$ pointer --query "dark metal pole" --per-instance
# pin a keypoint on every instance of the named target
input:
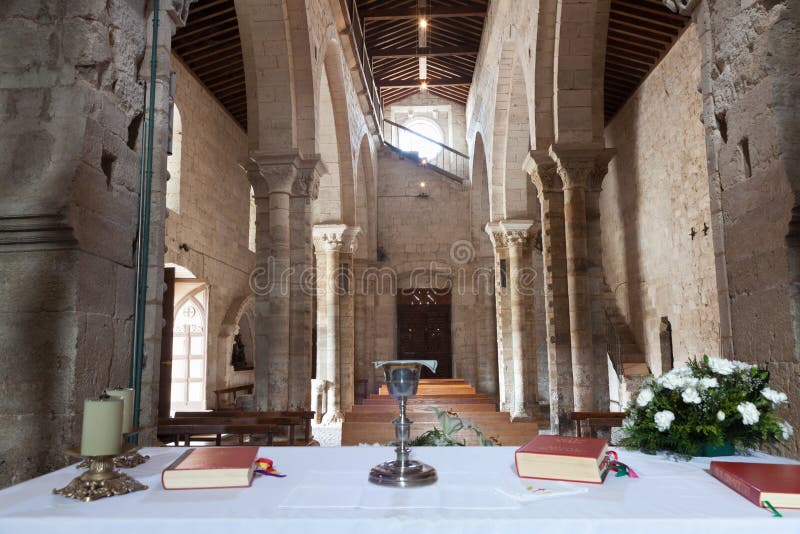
(145, 195)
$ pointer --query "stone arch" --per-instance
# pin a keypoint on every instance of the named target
(512, 136)
(266, 51)
(336, 202)
(365, 202)
(579, 62)
(480, 198)
(241, 309)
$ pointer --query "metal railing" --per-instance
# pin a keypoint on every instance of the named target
(357, 34)
(447, 161)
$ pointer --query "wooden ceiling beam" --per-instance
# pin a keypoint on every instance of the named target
(652, 12)
(444, 51)
(185, 32)
(444, 82)
(431, 13)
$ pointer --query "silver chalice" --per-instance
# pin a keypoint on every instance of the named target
(402, 379)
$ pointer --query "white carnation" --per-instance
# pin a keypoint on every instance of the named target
(720, 365)
(707, 383)
(644, 398)
(671, 381)
(750, 413)
(690, 396)
(786, 429)
(664, 420)
(774, 396)
(720, 415)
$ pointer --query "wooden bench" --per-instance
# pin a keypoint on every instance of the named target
(288, 418)
(595, 420)
(233, 390)
(187, 430)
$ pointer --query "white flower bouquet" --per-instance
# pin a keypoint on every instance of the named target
(705, 403)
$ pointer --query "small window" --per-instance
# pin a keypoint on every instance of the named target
(174, 163)
(414, 143)
(251, 236)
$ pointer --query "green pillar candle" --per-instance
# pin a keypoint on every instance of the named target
(102, 427)
(126, 394)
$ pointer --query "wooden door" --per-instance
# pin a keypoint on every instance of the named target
(423, 329)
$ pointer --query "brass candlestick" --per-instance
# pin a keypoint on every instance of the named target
(402, 379)
(101, 479)
(129, 459)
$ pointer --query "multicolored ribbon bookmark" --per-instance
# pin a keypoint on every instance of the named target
(618, 467)
(264, 467)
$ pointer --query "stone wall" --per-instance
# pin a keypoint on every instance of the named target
(71, 109)
(655, 193)
(750, 100)
(434, 234)
(214, 217)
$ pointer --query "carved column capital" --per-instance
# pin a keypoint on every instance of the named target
(178, 10)
(335, 238)
(582, 166)
(310, 171)
(684, 7)
(542, 170)
(509, 233)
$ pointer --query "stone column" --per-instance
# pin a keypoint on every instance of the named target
(332, 244)
(576, 167)
(512, 235)
(279, 180)
(559, 357)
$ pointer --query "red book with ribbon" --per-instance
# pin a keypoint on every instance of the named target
(564, 458)
(778, 484)
(211, 467)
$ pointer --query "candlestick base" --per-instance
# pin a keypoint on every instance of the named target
(101, 480)
(127, 460)
(410, 474)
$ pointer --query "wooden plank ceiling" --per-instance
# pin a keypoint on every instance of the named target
(209, 45)
(640, 33)
(453, 35)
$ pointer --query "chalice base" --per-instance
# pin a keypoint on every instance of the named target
(413, 474)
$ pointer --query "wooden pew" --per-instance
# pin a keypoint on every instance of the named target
(233, 390)
(185, 429)
(288, 418)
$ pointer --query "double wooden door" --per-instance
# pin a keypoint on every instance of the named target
(423, 329)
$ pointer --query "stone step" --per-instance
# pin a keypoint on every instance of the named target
(425, 416)
(508, 433)
(452, 406)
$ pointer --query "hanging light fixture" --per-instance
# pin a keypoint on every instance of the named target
(422, 42)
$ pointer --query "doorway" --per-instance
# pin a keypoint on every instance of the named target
(423, 329)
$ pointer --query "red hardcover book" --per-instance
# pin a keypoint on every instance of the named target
(563, 458)
(777, 483)
(211, 467)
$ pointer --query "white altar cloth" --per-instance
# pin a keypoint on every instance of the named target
(326, 491)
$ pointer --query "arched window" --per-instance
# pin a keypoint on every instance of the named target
(413, 143)
(174, 163)
(251, 237)
(189, 341)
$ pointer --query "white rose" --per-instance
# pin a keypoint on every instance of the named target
(720, 365)
(671, 381)
(707, 383)
(720, 415)
(776, 397)
(644, 398)
(750, 413)
(690, 396)
(664, 420)
(786, 429)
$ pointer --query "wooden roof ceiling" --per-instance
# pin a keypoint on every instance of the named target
(209, 45)
(640, 33)
(454, 36)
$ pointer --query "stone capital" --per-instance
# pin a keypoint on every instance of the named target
(542, 169)
(509, 233)
(581, 166)
(178, 10)
(684, 7)
(288, 173)
(335, 238)
(311, 169)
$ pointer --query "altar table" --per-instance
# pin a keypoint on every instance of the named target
(326, 490)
